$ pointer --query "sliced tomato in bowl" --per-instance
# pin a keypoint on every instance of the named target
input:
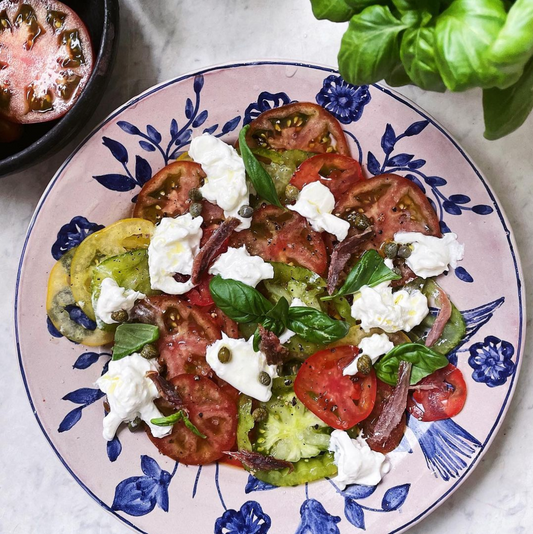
(46, 59)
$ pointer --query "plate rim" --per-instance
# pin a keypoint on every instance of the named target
(386, 90)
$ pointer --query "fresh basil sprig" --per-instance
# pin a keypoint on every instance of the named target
(370, 271)
(261, 180)
(425, 361)
(175, 418)
(130, 337)
(245, 304)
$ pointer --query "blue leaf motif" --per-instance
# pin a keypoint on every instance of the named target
(145, 145)
(265, 101)
(78, 316)
(435, 181)
(114, 448)
(388, 139)
(463, 274)
(444, 227)
(153, 134)
(176, 153)
(189, 109)
(52, 330)
(416, 164)
(250, 519)
(482, 209)
(70, 419)
(174, 128)
(459, 199)
(116, 182)
(200, 119)
(117, 149)
(198, 83)
(143, 170)
(415, 128)
(358, 491)
(415, 180)
(451, 208)
(184, 137)
(86, 360)
(128, 128)
(254, 484)
(70, 235)
(84, 396)
(315, 519)
(354, 514)
(211, 129)
(161, 498)
(395, 497)
(400, 160)
(136, 496)
(150, 467)
(231, 125)
(373, 164)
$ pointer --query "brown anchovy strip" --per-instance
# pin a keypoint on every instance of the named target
(393, 410)
(341, 255)
(271, 347)
(212, 248)
(258, 462)
(441, 320)
(165, 389)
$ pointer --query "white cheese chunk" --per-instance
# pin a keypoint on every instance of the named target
(379, 307)
(114, 298)
(172, 249)
(373, 346)
(356, 462)
(225, 183)
(431, 256)
(130, 394)
(243, 369)
(238, 264)
(316, 202)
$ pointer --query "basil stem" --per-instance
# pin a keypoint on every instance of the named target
(175, 418)
(131, 337)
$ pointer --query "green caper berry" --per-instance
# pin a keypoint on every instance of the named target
(291, 192)
(245, 211)
(119, 316)
(364, 364)
(135, 425)
(404, 251)
(390, 249)
(260, 414)
(149, 351)
(264, 378)
(361, 222)
(195, 195)
(224, 355)
(195, 209)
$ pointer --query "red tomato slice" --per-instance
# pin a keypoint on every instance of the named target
(200, 295)
(384, 391)
(393, 204)
(445, 399)
(301, 125)
(340, 401)
(9, 131)
(46, 59)
(212, 411)
(285, 236)
(338, 173)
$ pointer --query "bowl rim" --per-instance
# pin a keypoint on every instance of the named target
(60, 134)
(521, 296)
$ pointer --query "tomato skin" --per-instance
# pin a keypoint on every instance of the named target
(323, 389)
(298, 126)
(212, 411)
(285, 236)
(200, 295)
(337, 172)
(446, 400)
(9, 131)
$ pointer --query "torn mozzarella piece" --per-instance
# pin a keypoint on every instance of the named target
(373, 346)
(114, 298)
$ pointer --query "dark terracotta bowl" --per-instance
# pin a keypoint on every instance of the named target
(41, 140)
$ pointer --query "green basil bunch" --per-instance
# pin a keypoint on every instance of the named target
(442, 44)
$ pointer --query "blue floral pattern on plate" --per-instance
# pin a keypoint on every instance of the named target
(492, 361)
(70, 235)
(249, 519)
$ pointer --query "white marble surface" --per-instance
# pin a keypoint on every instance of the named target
(164, 38)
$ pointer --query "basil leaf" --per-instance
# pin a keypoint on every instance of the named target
(334, 10)
(191, 427)
(174, 418)
(238, 301)
(315, 326)
(370, 48)
(261, 180)
(130, 337)
(370, 271)
(279, 313)
(425, 361)
(505, 110)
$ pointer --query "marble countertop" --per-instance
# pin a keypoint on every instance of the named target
(161, 40)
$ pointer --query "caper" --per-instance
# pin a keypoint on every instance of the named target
(195, 194)
(149, 351)
(119, 316)
(245, 211)
(260, 414)
(291, 192)
(195, 209)
(264, 378)
(364, 364)
(390, 249)
(404, 251)
(135, 425)
(224, 355)
(358, 220)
